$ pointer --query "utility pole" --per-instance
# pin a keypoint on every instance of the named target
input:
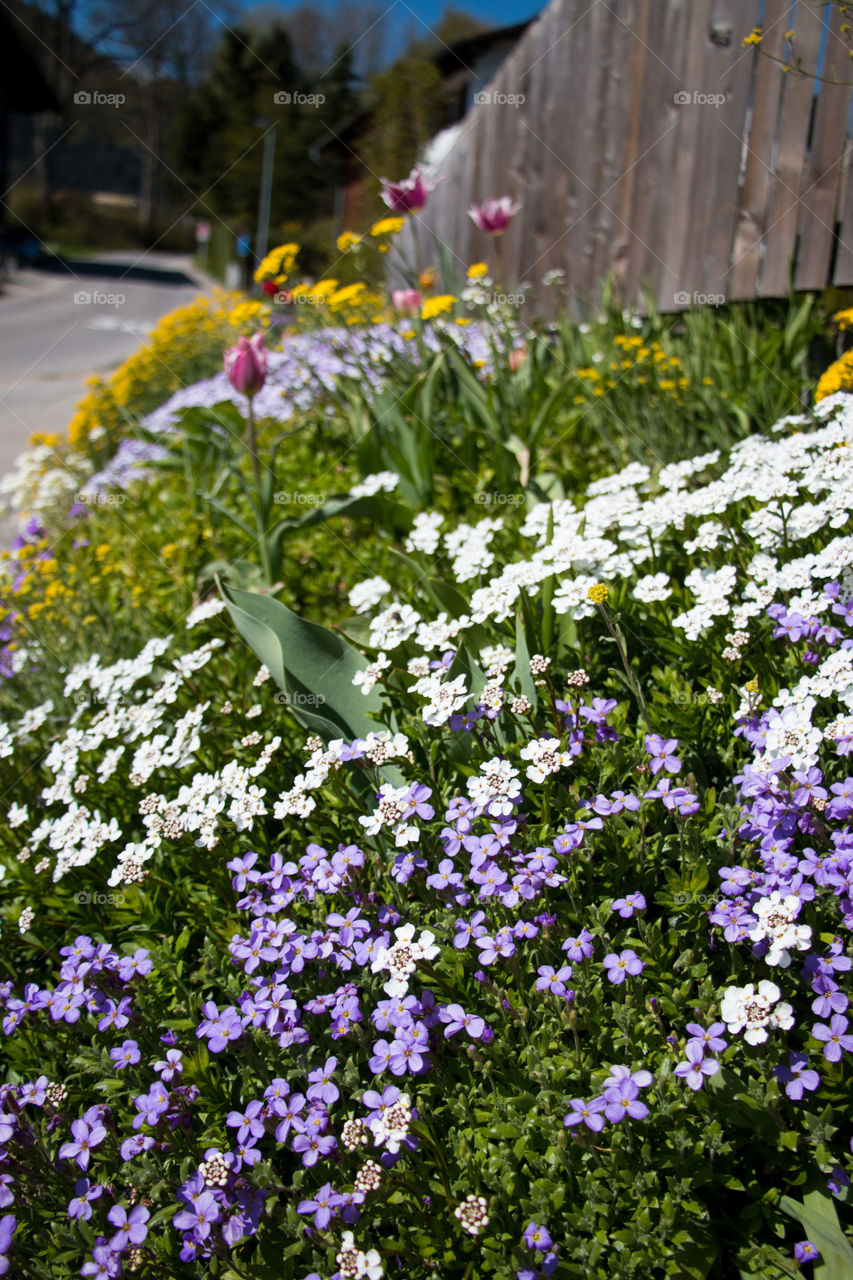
(263, 232)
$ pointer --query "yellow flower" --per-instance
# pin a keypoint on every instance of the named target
(346, 241)
(844, 319)
(408, 333)
(751, 686)
(754, 37)
(478, 270)
(387, 226)
(278, 263)
(427, 278)
(463, 320)
(598, 593)
(348, 294)
(838, 377)
(435, 306)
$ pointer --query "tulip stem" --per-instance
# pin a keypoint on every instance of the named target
(256, 469)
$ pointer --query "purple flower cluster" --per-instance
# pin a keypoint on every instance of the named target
(695, 1068)
(619, 1097)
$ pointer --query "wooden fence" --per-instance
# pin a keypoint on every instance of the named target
(647, 143)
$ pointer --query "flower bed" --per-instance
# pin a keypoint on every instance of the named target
(500, 929)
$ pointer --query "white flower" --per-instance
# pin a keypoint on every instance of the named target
(378, 482)
(208, 609)
(370, 676)
(425, 532)
(747, 1007)
(365, 595)
(654, 586)
(545, 757)
(776, 916)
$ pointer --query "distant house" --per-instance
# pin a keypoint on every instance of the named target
(466, 67)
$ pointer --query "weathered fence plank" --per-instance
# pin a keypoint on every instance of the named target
(644, 141)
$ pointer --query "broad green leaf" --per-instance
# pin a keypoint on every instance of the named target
(818, 1216)
(306, 659)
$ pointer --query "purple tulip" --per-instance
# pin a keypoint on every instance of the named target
(407, 301)
(246, 365)
(407, 196)
(492, 216)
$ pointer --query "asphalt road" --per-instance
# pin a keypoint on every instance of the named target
(59, 328)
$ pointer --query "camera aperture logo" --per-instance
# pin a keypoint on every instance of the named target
(299, 698)
(99, 899)
(83, 98)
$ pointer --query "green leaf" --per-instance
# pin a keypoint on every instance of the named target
(818, 1216)
(308, 662)
(522, 672)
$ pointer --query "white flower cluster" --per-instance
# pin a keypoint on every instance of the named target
(753, 1009)
(368, 593)
(393, 811)
(378, 482)
(495, 787)
(402, 957)
(776, 916)
(545, 758)
(354, 1263)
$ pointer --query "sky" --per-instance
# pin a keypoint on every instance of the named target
(408, 18)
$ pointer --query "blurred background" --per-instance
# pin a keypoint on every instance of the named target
(158, 124)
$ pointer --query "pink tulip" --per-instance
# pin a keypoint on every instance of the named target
(493, 216)
(407, 301)
(407, 196)
(246, 365)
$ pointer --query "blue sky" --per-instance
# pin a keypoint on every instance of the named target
(408, 18)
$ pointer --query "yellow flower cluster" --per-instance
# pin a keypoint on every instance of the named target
(387, 226)
(844, 319)
(755, 36)
(642, 364)
(477, 270)
(347, 240)
(278, 263)
(437, 305)
(598, 593)
(838, 377)
(186, 345)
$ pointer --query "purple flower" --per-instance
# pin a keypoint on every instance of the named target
(85, 1137)
(662, 752)
(629, 904)
(553, 980)
(85, 1192)
(131, 1226)
(696, 1067)
(139, 963)
(198, 1216)
(456, 1019)
(536, 1237)
(8, 1226)
(835, 1037)
(618, 967)
(248, 1123)
(169, 1067)
(710, 1039)
(796, 1077)
(805, 1251)
(623, 1100)
(125, 1055)
(312, 1146)
(588, 1113)
(322, 1206)
(579, 948)
(320, 1084)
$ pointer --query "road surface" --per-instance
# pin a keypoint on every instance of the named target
(59, 328)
